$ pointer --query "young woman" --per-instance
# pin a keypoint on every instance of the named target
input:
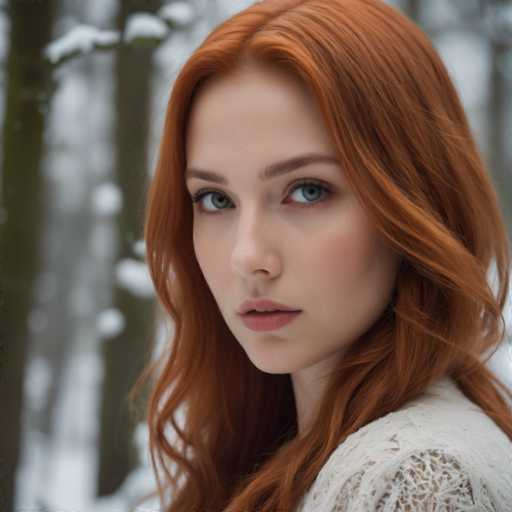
(320, 229)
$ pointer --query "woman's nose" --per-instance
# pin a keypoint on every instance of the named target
(254, 248)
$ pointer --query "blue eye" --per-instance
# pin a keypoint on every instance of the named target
(310, 187)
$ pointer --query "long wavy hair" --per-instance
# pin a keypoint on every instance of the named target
(223, 434)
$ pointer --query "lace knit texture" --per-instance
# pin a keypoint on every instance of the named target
(439, 453)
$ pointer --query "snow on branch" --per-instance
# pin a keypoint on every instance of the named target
(142, 28)
(80, 40)
(133, 275)
(177, 14)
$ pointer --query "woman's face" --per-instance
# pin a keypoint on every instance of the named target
(309, 247)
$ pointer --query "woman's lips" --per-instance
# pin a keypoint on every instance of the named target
(259, 321)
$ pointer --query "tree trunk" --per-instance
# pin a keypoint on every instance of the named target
(412, 9)
(126, 354)
(497, 130)
(28, 92)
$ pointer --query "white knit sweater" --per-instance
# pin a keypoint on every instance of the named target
(440, 452)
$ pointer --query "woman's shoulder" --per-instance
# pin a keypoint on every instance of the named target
(440, 448)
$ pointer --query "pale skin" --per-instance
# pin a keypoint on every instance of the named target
(308, 248)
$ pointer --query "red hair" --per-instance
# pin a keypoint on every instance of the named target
(404, 141)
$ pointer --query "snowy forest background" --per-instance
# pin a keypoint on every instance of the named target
(84, 86)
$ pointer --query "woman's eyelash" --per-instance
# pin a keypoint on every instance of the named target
(309, 182)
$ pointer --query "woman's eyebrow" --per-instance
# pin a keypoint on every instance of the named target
(271, 171)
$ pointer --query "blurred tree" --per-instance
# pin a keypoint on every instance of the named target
(65, 246)
(126, 353)
(412, 9)
(28, 92)
(492, 19)
(499, 31)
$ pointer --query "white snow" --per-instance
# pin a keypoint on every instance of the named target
(59, 472)
(71, 465)
(142, 25)
(28, 481)
(139, 248)
(107, 199)
(110, 323)
(178, 13)
(72, 471)
(81, 39)
(134, 276)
